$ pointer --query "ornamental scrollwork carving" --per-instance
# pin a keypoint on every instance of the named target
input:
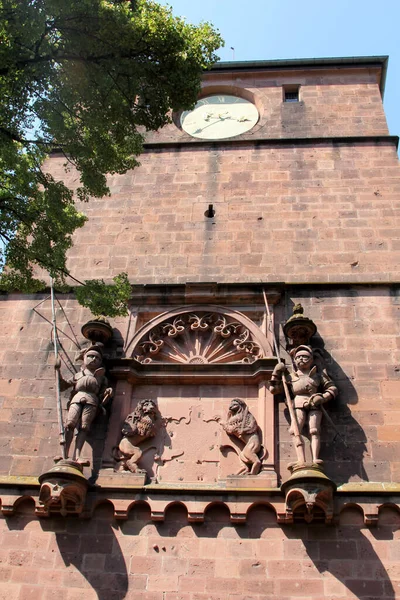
(199, 338)
(175, 328)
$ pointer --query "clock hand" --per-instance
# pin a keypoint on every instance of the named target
(208, 116)
(220, 116)
(209, 124)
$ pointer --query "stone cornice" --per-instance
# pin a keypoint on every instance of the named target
(368, 498)
(288, 141)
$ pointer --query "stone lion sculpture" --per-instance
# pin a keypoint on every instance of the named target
(138, 427)
(241, 424)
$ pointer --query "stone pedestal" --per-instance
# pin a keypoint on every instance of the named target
(98, 330)
(264, 480)
(309, 494)
(110, 478)
(63, 489)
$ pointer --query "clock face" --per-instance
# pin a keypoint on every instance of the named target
(218, 117)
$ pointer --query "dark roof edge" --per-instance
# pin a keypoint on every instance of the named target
(297, 63)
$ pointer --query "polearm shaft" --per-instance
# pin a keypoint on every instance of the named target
(57, 372)
(332, 424)
(289, 401)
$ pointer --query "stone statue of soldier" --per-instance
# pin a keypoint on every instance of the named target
(310, 387)
(89, 392)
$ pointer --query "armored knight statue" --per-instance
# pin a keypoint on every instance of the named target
(241, 424)
(310, 387)
(89, 392)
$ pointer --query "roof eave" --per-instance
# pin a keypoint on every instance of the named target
(313, 63)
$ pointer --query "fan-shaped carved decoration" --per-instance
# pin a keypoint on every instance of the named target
(199, 338)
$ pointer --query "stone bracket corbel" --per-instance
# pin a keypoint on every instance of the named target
(309, 494)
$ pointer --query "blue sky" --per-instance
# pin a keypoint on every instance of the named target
(272, 29)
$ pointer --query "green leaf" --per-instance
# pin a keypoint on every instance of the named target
(103, 299)
(86, 78)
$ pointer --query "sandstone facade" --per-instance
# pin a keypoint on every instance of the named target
(306, 210)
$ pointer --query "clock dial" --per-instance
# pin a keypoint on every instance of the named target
(219, 117)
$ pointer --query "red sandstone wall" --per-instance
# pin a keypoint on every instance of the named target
(295, 213)
(332, 103)
(138, 560)
(327, 213)
(360, 334)
(324, 212)
(360, 330)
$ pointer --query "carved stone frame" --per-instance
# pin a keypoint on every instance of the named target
(130, 372)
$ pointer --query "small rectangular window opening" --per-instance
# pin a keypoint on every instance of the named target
(291, 94)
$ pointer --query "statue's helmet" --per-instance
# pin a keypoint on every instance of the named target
(301, 348)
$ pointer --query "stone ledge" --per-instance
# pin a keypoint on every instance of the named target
(369, 487)
(16, 480)
(367, 498)
(233, 373)
(279, 141)
(361, 487)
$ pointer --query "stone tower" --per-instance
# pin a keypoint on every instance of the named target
(279, 189)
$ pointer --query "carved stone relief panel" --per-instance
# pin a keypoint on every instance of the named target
(191, 362)
(193, 447)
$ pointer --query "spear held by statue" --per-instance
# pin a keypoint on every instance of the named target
(298, 440)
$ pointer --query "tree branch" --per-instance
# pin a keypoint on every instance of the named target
(16, 138)
(57, 57)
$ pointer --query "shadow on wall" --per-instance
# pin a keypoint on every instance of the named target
(76, 553)
(301, 558)
(349, 555)
(93, 549)
(342, 462)
(258, 558)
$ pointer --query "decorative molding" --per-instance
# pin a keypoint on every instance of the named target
(309, 503)
(135, 373)
(247, 294)
(199, 339)
(200, 335)
(246, 140)
(239, 503)
(309, 495)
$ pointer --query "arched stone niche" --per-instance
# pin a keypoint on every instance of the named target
(200, 335)
(192, 361)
